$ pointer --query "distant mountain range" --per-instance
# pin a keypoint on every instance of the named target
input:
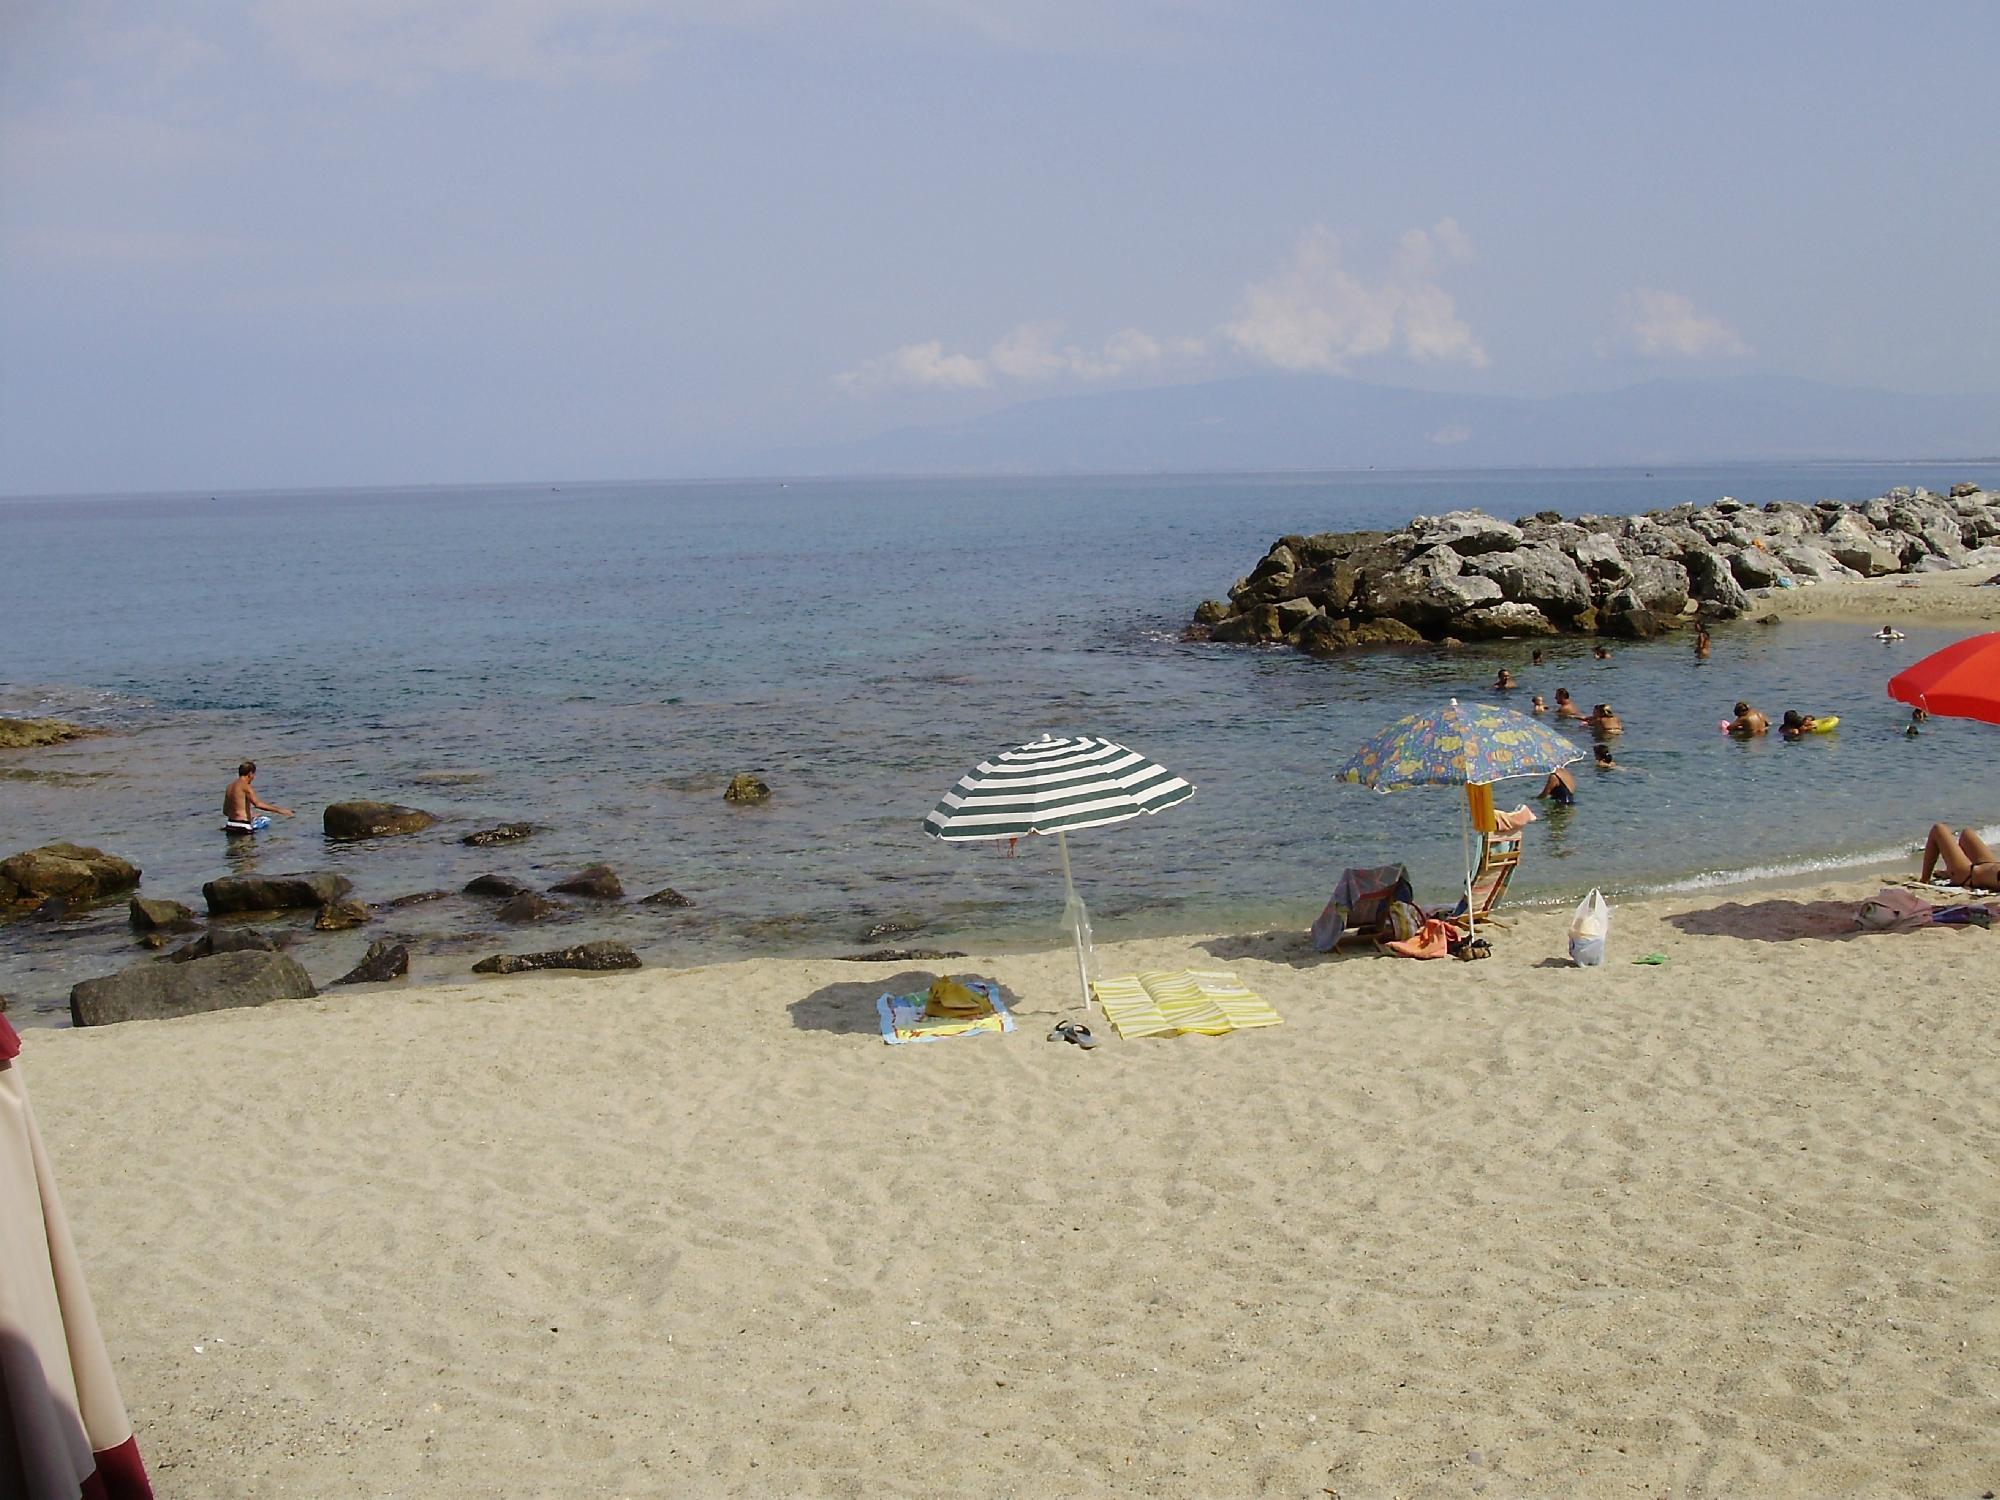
(1267, 422)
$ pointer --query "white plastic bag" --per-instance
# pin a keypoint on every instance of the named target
(1589, 927)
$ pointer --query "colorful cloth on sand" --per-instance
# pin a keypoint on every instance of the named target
(1173, 1003)
(903, 1018)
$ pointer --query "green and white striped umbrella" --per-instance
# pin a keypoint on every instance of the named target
(1056, 786)
(1053, 786)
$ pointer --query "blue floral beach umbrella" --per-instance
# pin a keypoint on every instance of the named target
(1458, 745)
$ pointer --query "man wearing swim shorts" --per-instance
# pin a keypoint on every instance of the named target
(241, 797)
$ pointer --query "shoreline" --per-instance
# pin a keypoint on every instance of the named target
(1718, 1223)
(1957, 596)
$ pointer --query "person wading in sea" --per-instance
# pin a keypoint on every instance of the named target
(241, 798)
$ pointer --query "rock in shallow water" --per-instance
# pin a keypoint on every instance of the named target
(34, 734)
(75, 872)
(594, 957)
(384, 961)
(744, 787)
(314, 888)
(600, 882)
(339, 916)
(495, 885)
(367, 820)
(224, 940)
(151, 992)
(161, 916)
(505, 833)
(666, 896)
(527, 906)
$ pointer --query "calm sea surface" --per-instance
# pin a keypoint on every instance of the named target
(601, 658)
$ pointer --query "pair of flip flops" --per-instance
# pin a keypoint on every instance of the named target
(1073, 1031)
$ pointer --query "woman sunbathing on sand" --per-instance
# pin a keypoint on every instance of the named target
(1966, 859)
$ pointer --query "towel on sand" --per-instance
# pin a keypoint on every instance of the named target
(903, 1018)
(1162, 1003)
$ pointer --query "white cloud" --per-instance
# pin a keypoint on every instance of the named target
(1317, 314)
(1031, 354)
(1664, 324)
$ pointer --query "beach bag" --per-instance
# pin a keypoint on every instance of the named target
(1589, 927)
(1892, 910)
(1405, 918)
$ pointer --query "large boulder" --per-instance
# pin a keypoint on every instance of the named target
(1857, 545)
(1429, 590)
(592, 957)
(156, 992)
(75, 872)
(1711, 581)
(1270, 581)
(599, 882)
(383, 961)
(161, 916)
(1625, 614)
(1293, 613)
(1598, 555)
(1815, 563)
(34, 734)
(1541, 574)
(368, 820)
(1258, 623)
(1660, 583)
(1754, 568)
(1496, 621)
(1469, 532)
(1211, 612)
(1331, 585)
(313, 889)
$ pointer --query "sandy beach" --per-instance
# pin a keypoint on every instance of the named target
(1954, 596)
(1721, 1226)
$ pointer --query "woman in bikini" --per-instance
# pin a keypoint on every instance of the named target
(1966, 859)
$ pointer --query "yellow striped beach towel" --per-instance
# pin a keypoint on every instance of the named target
(1163, 1003)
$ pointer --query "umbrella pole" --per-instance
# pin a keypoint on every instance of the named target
(1465, 841)
(1079, 918)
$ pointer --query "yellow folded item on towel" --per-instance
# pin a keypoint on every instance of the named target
(1162, 1003)
(951, 997)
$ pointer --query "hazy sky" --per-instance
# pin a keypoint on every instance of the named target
(302, 242)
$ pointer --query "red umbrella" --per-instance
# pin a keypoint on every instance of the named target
(1960, 682)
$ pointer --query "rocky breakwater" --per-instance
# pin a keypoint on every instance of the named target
(1469, 576)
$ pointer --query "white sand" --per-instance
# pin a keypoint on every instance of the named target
(1730, 1226)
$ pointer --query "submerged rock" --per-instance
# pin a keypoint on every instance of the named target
(383, 961)
(495, 885)
(505, 833)
(593, 957)
(900, 956)
(224, 940)
(77, 873)
(527, 906)
(599, 882)
(665, 896)
(745, 788)
(152, 992)
(314, 888)
(367, 820)
(417, 898)
(34, 734)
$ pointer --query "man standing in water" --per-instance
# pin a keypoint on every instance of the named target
(241, 797)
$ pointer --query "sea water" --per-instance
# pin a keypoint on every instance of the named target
(600, 659)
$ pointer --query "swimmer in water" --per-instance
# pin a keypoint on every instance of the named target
(1603, 760)
(1536, 705)
(1560, 788)
(1565, 709)
(1603, 721)
(1702, 645)
(1888, 633)
(1504, 683)
(1748, 722)
(1795, 724)
(1602, 653)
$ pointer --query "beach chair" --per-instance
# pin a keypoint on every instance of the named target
(1358, 910)
(1499, 858)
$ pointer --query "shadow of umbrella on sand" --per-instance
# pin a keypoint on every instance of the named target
(1055, 786)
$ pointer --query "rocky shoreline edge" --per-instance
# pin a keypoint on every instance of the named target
(1469, 576)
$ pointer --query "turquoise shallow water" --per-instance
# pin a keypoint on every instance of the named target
(601, 658)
